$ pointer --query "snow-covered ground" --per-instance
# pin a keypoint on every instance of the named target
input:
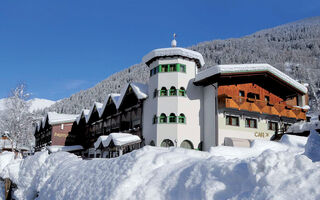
(35, 104)
(289, 169)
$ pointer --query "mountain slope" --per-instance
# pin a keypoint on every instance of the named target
(293, 48)
(36, 104)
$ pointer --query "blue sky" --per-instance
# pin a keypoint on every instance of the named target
(63, 46)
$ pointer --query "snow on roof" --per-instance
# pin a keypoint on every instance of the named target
(114, 97)
(57, 148)
(175, 51)
(57, 118)
(96, 105)
(119, 139)
(84, 113)
(140, 89)
(6, 144)
(240, 68)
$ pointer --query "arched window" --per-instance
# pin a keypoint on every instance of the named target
(163, 91)
(167, 143)
(172, 118)
(186, 144)
(155, 119)
(163, 118)
(182, 118)
(173, 91)
(152, 143)
(182, 92)
(200, 146)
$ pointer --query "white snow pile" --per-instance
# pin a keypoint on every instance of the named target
(267, 170)
(302, 126)
(313, 146)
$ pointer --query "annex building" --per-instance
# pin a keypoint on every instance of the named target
(184, 106)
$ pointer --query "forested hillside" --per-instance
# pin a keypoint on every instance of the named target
(293, 48)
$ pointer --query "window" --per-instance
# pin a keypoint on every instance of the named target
(172, 118)
(62, 126)
(272, 126)
(155, 119)
(173, 67)
(251, 123)
(163, 118)
(155, 93)
(164, 68)
(232, 121)
(173, 91)
(182, 68)
(267, 99)
(241, 93)
(152, 143)
(182, 118)
(187, 144)
(167, 143)
(163, 91)
(151, 72)
(182, 92)
(253, 95)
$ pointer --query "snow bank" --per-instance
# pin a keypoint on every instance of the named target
(5, 158)
(313, 146)
(294, 141)
(267, 170)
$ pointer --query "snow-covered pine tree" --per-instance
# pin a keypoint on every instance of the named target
(16, 119)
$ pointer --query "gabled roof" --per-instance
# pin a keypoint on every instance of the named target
(96, 105)
(118, 139)
(140, 90)
(56, 118)
(249, 68)
(114, 97)
(174, 51)
(84, 113)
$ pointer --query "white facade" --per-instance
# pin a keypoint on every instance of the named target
(204, 126)
(155, 106)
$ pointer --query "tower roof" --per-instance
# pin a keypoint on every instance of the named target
(174, 51)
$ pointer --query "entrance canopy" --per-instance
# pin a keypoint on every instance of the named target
(118, 139)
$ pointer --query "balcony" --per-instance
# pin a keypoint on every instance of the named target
(280, 109)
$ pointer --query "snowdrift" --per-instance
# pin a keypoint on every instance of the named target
(267, 170)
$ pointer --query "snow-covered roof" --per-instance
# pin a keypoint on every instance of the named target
(6, 144)
(174, 51)
(96, 105)
(119, 139)
(56, 118)
(84, 113)
(114, 97)
(57, 148)
(140, 89)
(241, 68)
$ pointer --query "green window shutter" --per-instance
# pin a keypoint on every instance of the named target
(178, 67)
(160, 68)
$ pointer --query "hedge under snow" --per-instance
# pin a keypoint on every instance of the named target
(267, 170)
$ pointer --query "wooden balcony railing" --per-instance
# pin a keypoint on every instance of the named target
(280, 109)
